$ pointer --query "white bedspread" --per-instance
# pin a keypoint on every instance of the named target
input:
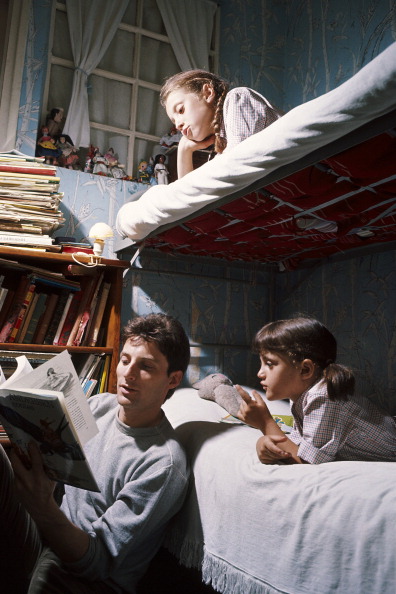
(297, 529)
(369, 94)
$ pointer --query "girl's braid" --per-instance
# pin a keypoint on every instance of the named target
(220, 142)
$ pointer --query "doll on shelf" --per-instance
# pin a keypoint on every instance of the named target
(88, 167)
(160, 170)
(143, 175)
(69, 156)
(100, 163)
(47, 148)
(111, 157)
(173, 137)
(55, 121)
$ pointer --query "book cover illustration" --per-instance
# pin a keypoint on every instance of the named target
(48, 405)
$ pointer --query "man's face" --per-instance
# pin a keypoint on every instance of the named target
(143, 383)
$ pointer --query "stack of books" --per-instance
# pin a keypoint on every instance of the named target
(29, 202)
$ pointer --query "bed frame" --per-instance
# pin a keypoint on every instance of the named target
(318, 182)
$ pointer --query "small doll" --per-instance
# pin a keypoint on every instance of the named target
(46, 147)
(100, 163)
(143, 174)
(160, 170)
(111, 157)
(69, 156)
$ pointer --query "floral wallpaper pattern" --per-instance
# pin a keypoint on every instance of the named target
(291, 51)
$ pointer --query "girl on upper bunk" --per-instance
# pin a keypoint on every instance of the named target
(206, 112)
(298, 362)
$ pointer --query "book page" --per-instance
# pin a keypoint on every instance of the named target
(60, 375)
(39, 415)
(23, 368)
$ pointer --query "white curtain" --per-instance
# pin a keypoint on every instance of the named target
(92, 25)
(189, 25)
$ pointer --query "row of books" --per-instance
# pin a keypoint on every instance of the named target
(45, 308)
(29, 201)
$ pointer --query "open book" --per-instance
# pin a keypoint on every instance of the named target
(48, 405)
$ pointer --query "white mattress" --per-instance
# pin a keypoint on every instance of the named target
(265, 529)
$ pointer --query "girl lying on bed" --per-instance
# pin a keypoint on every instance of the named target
(298, 361)
(206, 112)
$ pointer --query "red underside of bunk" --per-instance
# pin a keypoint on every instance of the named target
(344, 202)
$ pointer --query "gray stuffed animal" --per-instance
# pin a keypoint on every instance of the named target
(220, 389)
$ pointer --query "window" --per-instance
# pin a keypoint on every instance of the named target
(123, 90)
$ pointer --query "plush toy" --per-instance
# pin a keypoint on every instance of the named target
(220, 389)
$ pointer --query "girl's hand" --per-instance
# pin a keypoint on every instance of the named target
(267, 450)
(253, 412)
(185, 151)
(190, 146)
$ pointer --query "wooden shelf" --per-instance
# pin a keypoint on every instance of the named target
(60, 262)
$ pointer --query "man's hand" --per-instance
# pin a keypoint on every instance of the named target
(35, 491)
(254, 412)
(33, 487)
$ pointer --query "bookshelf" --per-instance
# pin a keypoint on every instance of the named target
(62, 264)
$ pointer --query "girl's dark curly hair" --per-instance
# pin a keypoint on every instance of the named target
(302, 338)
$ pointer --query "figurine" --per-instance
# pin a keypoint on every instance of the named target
(172, 138)
(88, 168)
(69, 156)
(160, 170)
(100, 163)
(55, 122)
(111, 157)
(46, 147)
(143, 175)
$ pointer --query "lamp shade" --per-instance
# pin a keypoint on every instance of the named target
(101, 231)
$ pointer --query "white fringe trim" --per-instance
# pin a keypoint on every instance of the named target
(227, 579)
(216, 572)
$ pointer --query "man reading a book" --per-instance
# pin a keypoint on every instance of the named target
(103, 542)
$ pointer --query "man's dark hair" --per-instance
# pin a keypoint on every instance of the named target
(167, 333)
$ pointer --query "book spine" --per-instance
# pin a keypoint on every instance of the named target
(35, 318)
(43, 324)
(3, 295)
(29, 239)
(14, 310)
(86, 320)
(63, 318)
(92, 340)
(22, 312)
(20, 169)
(56, 282)
(87, 293)
(27, 318)
(54, 322)
(104, 377)
(70, 318)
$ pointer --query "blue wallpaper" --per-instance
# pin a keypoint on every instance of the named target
(294, 50)
(291, 51)
(356, 299)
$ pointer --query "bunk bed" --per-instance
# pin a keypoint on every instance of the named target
(318, 182)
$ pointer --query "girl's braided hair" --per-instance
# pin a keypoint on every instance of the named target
(302, 338)
(193, 82)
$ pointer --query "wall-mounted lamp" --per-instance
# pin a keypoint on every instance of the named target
(99, 233)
